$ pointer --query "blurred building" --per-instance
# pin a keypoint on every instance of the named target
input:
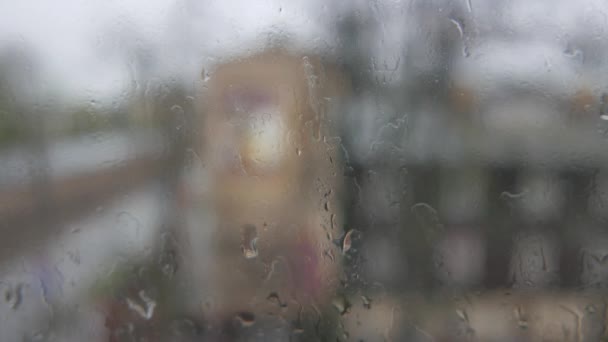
(275, 172)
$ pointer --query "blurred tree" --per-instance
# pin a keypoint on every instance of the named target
(13, 126)
(87, 121)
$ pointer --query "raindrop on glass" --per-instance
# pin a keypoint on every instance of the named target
(246, 319)
(249, 241)
(146, 308)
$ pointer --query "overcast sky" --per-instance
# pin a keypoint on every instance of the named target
(81, 44)
(63, 34)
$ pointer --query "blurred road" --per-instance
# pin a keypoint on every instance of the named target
(52, 282)
(82, 174)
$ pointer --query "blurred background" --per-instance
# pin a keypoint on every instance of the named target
(304, 170)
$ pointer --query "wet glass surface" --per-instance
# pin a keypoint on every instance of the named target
(304, 171)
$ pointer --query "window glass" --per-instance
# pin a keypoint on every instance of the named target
(308, 170)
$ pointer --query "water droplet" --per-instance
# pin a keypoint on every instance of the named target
(520, 316)
(177, 109)
(12, 295)
(330, 255)
(298, 151)
(208, 304)
(127, 223)
(428, 219)
(246, 319)
(535, 261)
(574, 53)
(274, 298)
(347, 242)
(604, 107)
(367, 302)
(147, 309)
(341, 304)
(205, 75)
(168, 264)
(460, 27)
(462, 315)
(249, 241)
(511, 195)
(168, 256)
(75, 257)
(522, 325)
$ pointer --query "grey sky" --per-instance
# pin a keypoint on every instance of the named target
(68, 35)
(72, 37)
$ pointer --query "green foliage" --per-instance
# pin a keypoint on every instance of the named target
(12, 128)
(85, 121)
